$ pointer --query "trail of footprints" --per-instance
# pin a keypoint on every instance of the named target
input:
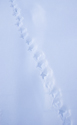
(46, 72)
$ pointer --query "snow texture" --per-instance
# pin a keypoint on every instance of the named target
(46, 72)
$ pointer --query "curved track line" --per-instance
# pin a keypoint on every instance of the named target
(46, 72)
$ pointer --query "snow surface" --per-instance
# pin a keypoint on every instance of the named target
(38, 62)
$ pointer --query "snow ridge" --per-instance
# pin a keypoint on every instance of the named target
(46, 72)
